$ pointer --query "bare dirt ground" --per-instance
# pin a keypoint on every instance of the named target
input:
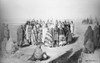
(52, 52)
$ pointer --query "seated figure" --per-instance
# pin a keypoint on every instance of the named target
(38, 54)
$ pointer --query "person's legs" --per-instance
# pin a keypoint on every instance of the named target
(55, 43)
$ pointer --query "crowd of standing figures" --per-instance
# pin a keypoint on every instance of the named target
(50, 33)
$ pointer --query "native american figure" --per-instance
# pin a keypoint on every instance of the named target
(88, 40)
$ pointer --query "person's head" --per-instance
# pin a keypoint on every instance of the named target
(28, 23)
(32, 22)
(46, 25)
(89, 28)
(22, 26)
(56, 21)
(72, 22)
(33, 19)
(59, 22)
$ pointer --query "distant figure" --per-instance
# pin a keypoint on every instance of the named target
(48, 37)
(26, 29)
(39, 33)
(66, 28)
(20, 35)
(6, 32)
(68, 35)
(62, 39)
(99, 37)
(2, 26)
(55, 37)
(72, 27)
(96, 36)
(11, 46)
(60, 29)
(88, 39)
(28, 32)
(34, 33)
(44, 31)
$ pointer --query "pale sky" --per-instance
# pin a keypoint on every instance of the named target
(21, 10)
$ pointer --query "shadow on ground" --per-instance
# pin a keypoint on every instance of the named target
(64, 58)
(74, 39)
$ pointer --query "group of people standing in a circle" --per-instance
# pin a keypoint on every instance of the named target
(51, 33)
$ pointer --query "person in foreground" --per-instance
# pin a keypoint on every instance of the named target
(38, 54)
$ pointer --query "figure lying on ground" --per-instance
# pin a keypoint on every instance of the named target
(38, 54)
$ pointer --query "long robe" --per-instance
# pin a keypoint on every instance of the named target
(48, 39)
(20, 36)
(28, 32)
(89, 46)
(88, 40)
(44, 33)
(69, 37)
(33, 38)
(96, 36)
(6, 32)
(72, 28)
(9, 46)
(40, 35)
(88, 35)
(61, 31)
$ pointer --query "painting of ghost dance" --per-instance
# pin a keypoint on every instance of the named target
(50, 42)
(50, 31)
